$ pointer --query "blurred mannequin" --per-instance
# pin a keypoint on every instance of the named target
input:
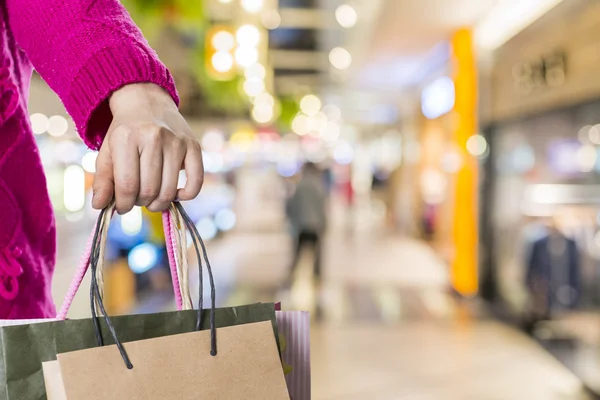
(553, 273)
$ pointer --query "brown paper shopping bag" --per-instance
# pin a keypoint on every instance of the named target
(175, 367)
(245, 365)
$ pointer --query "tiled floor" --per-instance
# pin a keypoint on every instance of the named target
(431, 361)
(391, 329)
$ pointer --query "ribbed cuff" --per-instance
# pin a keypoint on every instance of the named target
(108, 70)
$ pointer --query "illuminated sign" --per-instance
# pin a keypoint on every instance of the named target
(438, 98)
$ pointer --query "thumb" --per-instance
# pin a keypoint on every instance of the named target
(104, 182)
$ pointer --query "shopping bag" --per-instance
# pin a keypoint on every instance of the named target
(294, 339)
(247, 367)
(23, 348)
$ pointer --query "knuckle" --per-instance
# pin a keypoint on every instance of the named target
(154, 134)
(179, 146)
(194, 144)
(165, 199)
(122, 131)
(148, 193)
(126, 189)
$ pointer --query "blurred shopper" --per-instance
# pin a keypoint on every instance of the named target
(306, 211)
(123, 102)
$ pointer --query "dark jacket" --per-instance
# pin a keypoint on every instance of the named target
(550, 272)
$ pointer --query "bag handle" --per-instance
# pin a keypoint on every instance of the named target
(175, 243)
(175, 233)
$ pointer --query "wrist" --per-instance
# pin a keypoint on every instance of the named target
(137, 96)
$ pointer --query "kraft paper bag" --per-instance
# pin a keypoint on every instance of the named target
(181, 367)
(294, 339)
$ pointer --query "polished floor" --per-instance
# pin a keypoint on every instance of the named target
(391, 329)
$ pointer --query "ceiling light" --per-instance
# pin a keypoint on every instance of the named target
(507, 19)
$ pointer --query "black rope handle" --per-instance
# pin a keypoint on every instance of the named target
(96, 298)
(196, 235)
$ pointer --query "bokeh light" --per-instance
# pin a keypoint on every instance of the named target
(340, 58)
(346, 15)
(39, 123)
(252, 6)
(57, 126)
(143, 258)
(88, 161)
(246, 56)
(223, 41)
(477, 145)
(586, 158)
(207, 228)
(74, 188)
(271, 19)
(247, 36)
(310, 105)
(222, 61)
(225, 220)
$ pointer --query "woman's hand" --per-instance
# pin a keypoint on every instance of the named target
(147, 145)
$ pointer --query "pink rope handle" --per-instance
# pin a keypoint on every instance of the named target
(84, 263)
(168, 226)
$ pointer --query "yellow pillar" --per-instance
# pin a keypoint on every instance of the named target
(465, 224)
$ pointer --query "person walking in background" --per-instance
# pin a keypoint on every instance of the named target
(306, 212)
(123, 102)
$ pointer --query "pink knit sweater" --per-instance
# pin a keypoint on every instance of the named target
(84, 49)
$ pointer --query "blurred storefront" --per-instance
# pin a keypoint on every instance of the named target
(542, 189)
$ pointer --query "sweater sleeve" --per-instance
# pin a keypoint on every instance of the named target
(85, 50)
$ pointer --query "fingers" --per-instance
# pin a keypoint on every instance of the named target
(173, 156)
(194, 171)
(104, 184)
(126, 167)
(151, 166)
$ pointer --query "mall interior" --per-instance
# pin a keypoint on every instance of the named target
(460, 158)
